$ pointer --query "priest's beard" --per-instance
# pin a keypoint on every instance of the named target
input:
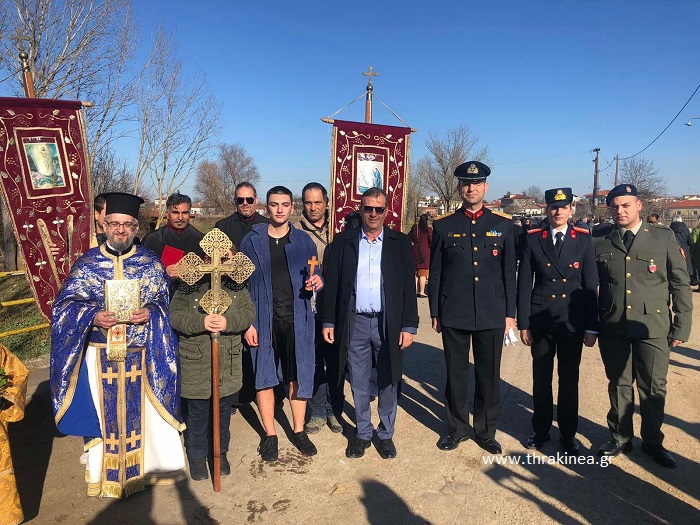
(120, 245)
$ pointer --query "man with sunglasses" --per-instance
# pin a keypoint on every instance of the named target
(370, 314)
(241, 222)
(472, 298)
(114, 377)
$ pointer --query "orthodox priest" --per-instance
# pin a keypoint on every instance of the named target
(114, 366)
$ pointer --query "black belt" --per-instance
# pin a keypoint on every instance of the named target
(371, 315)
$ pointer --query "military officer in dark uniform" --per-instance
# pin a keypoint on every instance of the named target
(558, 315)
(641, 268)
(472, 300)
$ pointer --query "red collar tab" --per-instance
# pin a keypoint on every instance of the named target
(545, 233)
(573, 233)
(473, 215)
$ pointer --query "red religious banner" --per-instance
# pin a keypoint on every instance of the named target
(363, 156)
(46, 187)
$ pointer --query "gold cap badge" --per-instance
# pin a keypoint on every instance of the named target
(628, 189)
(472, 169)
(560, 196)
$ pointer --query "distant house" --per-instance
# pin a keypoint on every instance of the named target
(600, 198)
(688, 209)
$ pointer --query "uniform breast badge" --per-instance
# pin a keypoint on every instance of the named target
(576, 265)
(495, 251)
(652, 266)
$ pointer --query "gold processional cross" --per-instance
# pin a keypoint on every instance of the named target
(191, 269)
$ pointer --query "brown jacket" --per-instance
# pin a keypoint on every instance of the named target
(320, 236)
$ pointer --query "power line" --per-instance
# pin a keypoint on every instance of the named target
(669, 125)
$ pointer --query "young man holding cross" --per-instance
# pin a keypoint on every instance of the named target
(281, 338)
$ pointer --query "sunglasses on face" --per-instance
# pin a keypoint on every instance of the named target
(377, 209)
(247, 200)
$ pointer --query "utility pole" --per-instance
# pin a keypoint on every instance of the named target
(595, 179)
(617, 168)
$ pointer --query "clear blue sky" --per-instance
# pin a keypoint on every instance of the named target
(541, 83)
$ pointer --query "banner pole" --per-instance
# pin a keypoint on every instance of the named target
(368, 100)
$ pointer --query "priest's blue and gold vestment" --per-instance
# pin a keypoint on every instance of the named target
(126, 407)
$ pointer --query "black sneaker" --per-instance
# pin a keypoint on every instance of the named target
(303, 443)
(198, 469)
(268, 448)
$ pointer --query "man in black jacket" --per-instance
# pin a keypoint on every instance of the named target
(472, 299)
(370, 314)
(240, 224)
(558, 315)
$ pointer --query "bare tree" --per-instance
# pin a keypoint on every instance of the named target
(642, 173)
(177, 116)
(78, 49)
(111, 174)
(217, 179)
(534, 193)
(444, 156)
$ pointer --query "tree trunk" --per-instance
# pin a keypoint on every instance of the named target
(8, 238)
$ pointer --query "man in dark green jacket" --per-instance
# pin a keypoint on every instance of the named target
(193, 326)
(642, 271)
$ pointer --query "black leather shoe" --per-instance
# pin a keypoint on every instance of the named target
(570, 446)
(356, 447)
(269, 448)
(387, 449)
(225, 466)
(489, 445)
(537, 441)
(304, 444)
(198, 469)
(614, 447)
(660, 455)
(450, 442)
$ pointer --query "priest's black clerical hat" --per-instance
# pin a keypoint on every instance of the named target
(118, 202)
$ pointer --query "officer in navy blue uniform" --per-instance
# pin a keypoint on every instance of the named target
(472, 296)
(557, 315)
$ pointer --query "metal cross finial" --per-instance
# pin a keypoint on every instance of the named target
(371, 73)
(18, 38)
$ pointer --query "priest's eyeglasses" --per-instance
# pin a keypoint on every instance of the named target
(117, 225)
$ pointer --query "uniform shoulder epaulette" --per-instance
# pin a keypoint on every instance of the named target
(660, 226)
(438, 217)
(502, 214)
(581, 230)
(535, 230)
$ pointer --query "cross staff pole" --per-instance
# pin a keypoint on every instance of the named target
(215, 301)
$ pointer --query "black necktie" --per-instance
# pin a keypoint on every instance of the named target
(628, 239)
(560, 242)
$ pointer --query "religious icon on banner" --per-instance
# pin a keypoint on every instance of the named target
(41, 154)
(370, 171)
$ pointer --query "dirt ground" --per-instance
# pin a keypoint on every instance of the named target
(422, 485)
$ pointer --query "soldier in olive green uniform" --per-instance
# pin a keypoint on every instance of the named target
(641, 267)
